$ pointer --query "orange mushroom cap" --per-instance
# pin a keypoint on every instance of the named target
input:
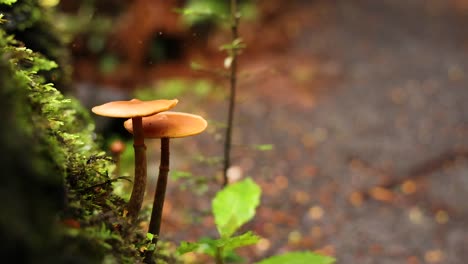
(133, 108)
(170, 125)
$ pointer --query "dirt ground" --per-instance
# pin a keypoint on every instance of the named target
(366, 104)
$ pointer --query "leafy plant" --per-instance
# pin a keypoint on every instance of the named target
(230, 16)
(232, 207)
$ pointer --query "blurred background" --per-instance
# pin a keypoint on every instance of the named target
(351, 115)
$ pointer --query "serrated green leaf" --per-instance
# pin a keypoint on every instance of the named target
(245, 239)
(298, 258)
(235, 205)
(205, 245)
(208, 246)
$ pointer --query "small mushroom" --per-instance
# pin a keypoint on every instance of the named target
(136, 110)
(164, 126)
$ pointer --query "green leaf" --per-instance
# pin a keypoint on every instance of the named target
(196, 66)
(236, 44)
(298, 258)
(176, 174)
(7, 2)
(245, 239)
(202, 88)
(196, 11)
(235, 205)
(149, 236)
(186, 247)
(169, 88)
(263, 147)
(205, 245)
(209, 245)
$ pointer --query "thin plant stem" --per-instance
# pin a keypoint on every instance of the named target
(232, 95)
(219, 255)
(139, 183)
(158, 202)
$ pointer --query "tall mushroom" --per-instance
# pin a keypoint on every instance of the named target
(165, 126)
(136, 110)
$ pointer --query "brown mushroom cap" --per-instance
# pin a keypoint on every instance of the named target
(133, 108)
(170, 125)
(117, 147)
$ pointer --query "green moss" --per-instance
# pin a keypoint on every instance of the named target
(35, 27)
(58, 200)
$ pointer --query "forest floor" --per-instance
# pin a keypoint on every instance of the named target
(365, 103)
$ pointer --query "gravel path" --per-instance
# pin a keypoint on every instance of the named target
(370, 93)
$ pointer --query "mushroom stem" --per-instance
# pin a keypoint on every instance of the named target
(139, 183)
(158, 203)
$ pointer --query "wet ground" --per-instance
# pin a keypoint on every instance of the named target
(367, 108)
